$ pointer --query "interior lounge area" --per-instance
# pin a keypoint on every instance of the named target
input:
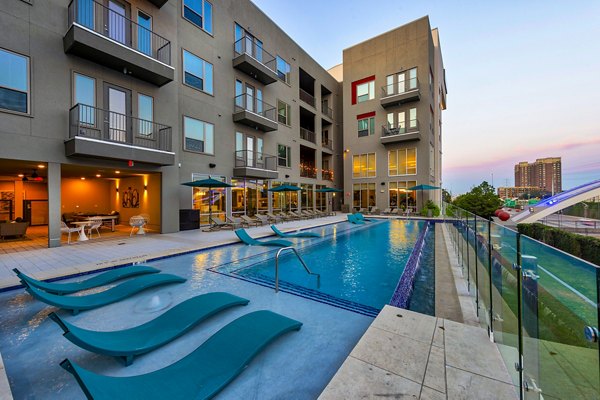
(96, 203)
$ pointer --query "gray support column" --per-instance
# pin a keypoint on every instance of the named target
(54, 204)
(169, 199)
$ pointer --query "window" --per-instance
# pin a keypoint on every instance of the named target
(366, 126)
(199, 13)
(412, 78)
(363, 166)
(197, 72)
(284, 113)
(363, 90)
(412, 115)
(364, 195)
(283, 70)
(400, 196)
(284, 155)
(144, 38)
(14, 81)
(84, 93)
(396, 123)
(145, 114)
(198, 135)
(406, 80)
(402, 162)
(244, 42)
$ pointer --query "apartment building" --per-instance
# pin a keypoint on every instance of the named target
(544, 173)
(110, 105)
(394, 93)
(511, 192)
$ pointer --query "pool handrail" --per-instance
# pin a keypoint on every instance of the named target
(301, 261)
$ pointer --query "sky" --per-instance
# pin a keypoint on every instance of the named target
(523, 76)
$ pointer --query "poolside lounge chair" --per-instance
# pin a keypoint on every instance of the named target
(293, 235)
(387, 211)
(99, 280)
(274, 218)
(308, 213)
(288, 217)
(297, 215)
(265, 219)
(244, 237)
(352, 219)
(362, 210)
(251, 221)
(201, 374)
(236, 221)
(112, 295)
(374, 210)
(220, 224)
(153, 334)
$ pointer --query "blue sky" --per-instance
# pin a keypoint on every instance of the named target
(523, 76)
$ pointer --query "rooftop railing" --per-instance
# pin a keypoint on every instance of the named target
(250, 103)
(401, 87)
(114, 25)
(391, 130)
(254, 159)
(254, 48)
(108, 126)
(539, 304)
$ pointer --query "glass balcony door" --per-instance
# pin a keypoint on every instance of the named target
(144, 36)
(116, 23)
(117, 102)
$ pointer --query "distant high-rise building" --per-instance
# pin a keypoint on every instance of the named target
(544, 173)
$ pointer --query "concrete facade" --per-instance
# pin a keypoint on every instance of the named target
(394, 53)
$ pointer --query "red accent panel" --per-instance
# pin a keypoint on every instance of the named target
(359, 82)
(366, 115)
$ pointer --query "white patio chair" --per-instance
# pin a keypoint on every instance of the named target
(137, 221)
(95, 224)
(64, 228)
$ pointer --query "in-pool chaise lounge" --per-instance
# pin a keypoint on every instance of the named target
(99, 280)
(361, 217)
(201, 374)
(294, 235)
(141, 339)
(352, 219)
(244, 237)
(112, 295)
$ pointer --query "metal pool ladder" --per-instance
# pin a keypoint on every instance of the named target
(301, 261)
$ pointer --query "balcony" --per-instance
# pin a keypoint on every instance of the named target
(108, 38)
(308, 171)
(327, 111)
(307, 98)
(308, 135)
(327, 174)
(327, 144)
(158, 3)
(98, 133)
(400, 134)
(250, 58)
(251, 164)
(400, 93)
(248, 110)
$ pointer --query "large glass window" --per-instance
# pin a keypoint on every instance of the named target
(145, 114)
(363, 166)
(14, 81)
(365, 91)
(198, 135)
(363, 195)
(412, 78)
(412, 122)
(202, 199)
(144, 39)
(307, 196)
(284, 155)
(197, 72)
(199, 13)
(366, 126)
(85, 95)
(402, 162)
(283, 70)
(400, 196)
(284, 113)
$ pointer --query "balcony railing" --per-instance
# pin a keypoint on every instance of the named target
(325, 109)
(250, 103)
(254, 159)
(392, 130)
(115, 26)
(109, 126)
(400, 87)
(307, 97)
(307, 135)
(327, 174)
(252, 47)
(327, 143)
(307, 171)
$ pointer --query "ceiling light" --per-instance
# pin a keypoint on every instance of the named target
(41, 166)
(98, 175)
(117, 172)
(83, 178)
(20, 175)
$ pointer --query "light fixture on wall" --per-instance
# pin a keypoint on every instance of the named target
(287, 176)
(117, 190)
(212, 165)
(146, 187)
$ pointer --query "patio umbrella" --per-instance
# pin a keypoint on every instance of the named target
(209, 184)
(285, 188)
(328, 190)
(421, 188)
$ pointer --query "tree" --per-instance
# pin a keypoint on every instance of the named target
(481, 200)
(446, 196)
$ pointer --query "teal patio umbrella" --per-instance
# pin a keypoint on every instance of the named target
(209, 184)
(421, 188)
(286, 187)
(328, 190)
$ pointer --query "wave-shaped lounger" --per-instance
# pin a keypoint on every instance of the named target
(112, 295)
(361, 217)
(144, 338)
(352, 219)
(99, 280)
(244, 237)
(294, 235)
(201, 374)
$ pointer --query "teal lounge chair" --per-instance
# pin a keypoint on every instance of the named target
(98, 280)
(352, 219)
(244, 237)
(153, 334)
(361, 217)
(112, 295)
(201, 374)
(294, 235)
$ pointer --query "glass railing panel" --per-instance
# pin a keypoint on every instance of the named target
(483, 273)
(560, 298)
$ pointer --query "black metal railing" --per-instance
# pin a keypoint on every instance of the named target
(250, 103)
(307, 170)
(109, 126)
(254, 159)
(392, 130)
(307, 97)
(327, 143)
(406, 86)
(327, 174)
(111, 24)
(254, 48)
(325, 109)
(307, 135)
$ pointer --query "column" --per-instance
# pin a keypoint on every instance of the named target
(54, 204)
